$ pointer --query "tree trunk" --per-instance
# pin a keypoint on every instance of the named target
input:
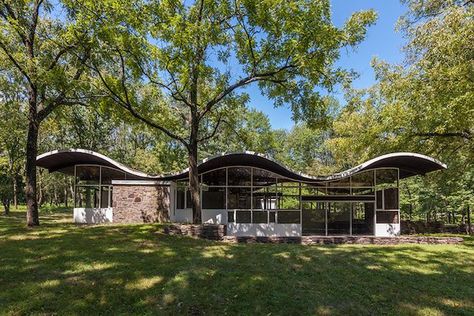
(32, 216)
(469, 228)
(194, 183)
(15, 191)
(6, 205)
(65, 195)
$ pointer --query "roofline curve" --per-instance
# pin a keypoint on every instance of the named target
(288, 172)
(111, 161)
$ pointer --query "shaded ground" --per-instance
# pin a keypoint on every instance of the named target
(134, 269)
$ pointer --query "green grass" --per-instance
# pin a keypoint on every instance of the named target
(61, 268)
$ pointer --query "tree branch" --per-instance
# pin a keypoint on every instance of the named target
(245, 81)
(216, 127)
(127, 106)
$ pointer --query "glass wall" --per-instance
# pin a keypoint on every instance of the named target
(93, 185)
(387, 196)
(251, 195)
(338, 218)
(341, 207)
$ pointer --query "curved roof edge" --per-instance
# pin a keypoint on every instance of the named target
(57, 160)
(410, 164)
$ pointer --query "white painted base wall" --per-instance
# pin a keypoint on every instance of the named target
(387, 230)
(183, 216)
(264, 230)
(214, 216)
(93, 215)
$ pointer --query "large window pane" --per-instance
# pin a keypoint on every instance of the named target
(106, 196)
(387, 217)
(263, 177)
(288, 217)
(363, 179)
(386, 177)
(286, 202)
(109, 174)
(213, 198)
(215, 177)
(264, 197)
(243, 217)
(378, 198)
(391, 199)
(180, 197)
(260, 217)
(314, 218)
(362, 218)
(338, 214)
(87, 197)
(239, 198)
(345, 182)
(87, 175)
(239, 176)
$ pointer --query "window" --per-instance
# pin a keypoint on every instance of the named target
(363, 179)
(387, 177)
(87, 175)
(387, 217)
(230, 217)
(87, 197)
(378, 197)
(213, 198)
(362, 218)
(390, 199)
(109, 174)
(264, 198)
(239, 198)
(180, 197)
(244, 217)
(239, 176)
(263, 178)
(288, 217)
(260, 217)
(215, 177)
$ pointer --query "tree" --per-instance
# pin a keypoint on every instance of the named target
(12, 130)
(180, 67)
(46, 54)
(424, 105)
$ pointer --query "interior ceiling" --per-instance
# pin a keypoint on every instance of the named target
(410, 164)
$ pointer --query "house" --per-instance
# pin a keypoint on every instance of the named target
(248, 192)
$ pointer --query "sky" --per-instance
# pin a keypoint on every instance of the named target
(382, 41)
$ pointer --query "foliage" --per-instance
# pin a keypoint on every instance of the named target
(425, 105)
(180, 67)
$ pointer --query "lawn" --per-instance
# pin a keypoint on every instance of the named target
(61, 268)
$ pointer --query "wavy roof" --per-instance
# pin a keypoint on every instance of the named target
(410, 164)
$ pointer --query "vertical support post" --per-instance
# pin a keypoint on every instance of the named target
(74, 186)
(100, 187)
(326, 217)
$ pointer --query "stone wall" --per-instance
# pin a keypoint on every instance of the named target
(140, 203)
(206, 231)
(364, 240)
(423, 227)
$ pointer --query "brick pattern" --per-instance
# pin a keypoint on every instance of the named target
(140, 204)
(205, 231)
